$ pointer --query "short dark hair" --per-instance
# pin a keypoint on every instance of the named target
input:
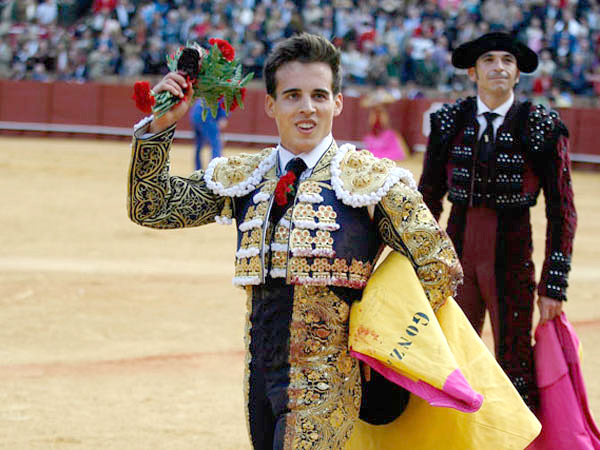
(305, 48)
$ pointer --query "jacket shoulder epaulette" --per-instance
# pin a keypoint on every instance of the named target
(446, 120)
(239, 175)
(543, 129)
(361, 179)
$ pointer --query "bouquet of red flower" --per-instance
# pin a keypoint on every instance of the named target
(215, 75)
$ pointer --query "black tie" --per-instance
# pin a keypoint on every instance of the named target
(297, 166)
(486, 143)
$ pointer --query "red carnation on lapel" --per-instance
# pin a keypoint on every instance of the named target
(225, 47)
(284, 187)
(144, 100)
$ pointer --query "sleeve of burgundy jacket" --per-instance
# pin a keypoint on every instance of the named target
(560, 214)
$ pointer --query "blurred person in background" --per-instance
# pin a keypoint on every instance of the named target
(207, 130)
(47, 12)
(382, 140)
(254, 59)
(6, 57)
(101, 63)
(170, 32)
(578, 71)
(104, 5)
(427, 72)
(153, 56)
(132, 65)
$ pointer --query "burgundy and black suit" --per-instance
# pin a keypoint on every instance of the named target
(490, 219)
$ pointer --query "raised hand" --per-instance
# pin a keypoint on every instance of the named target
(176, 84)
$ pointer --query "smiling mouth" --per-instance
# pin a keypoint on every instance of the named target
(306, 127)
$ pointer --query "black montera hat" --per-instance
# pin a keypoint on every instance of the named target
(466, 55)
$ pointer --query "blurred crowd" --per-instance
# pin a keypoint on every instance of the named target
(403, 45)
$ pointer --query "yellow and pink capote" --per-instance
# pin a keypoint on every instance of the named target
(461, 399)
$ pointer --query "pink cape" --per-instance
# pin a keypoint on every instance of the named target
(386, 144)
(567, 422)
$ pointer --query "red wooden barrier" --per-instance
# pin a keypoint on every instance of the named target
(26, 101)
(76, 104)
(109, 105)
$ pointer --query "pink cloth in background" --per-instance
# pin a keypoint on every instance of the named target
(386, 144)
(567, 423)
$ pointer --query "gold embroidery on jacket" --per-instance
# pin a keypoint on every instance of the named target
(324, 391)
(363, 173)
(248, 358)
(158, 200)
(408, 227)
(236, 169)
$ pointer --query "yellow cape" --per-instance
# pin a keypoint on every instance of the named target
(392, 313)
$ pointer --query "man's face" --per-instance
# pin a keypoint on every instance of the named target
(304, 105)
(495, 73)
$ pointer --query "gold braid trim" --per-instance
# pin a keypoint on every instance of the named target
(238, 175)
(158, 200)
(409, 228)
(363, 173)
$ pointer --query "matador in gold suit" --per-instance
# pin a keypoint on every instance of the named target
(302, 271)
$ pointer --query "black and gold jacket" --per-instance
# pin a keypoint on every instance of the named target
(344, 213)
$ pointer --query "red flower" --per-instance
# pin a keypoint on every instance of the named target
(234, 104)
(284, 187)
(225, 47)
(144, 100)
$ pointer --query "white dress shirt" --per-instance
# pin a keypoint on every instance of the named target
(500, 110)
(310, 159)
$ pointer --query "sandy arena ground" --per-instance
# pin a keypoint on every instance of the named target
(113, 336)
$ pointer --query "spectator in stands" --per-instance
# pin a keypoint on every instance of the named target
(377, 32)
(40, 73)
(47, 12)
(579, 83)
(442, 58)
(154, 57)
(583, 48)
(101, 63)
(547, 64)
(62, 63)
(395, 34)
(80, 71)
(133, 65)
(6, 57)
(421, 42)
(569, 23)
(104, 5)
(377, 74)
(162, 7)
(170, 30)
(355, 63)
(535, 34)
(427, 71)
(254, 58)
(125, 11)
(542, 84)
